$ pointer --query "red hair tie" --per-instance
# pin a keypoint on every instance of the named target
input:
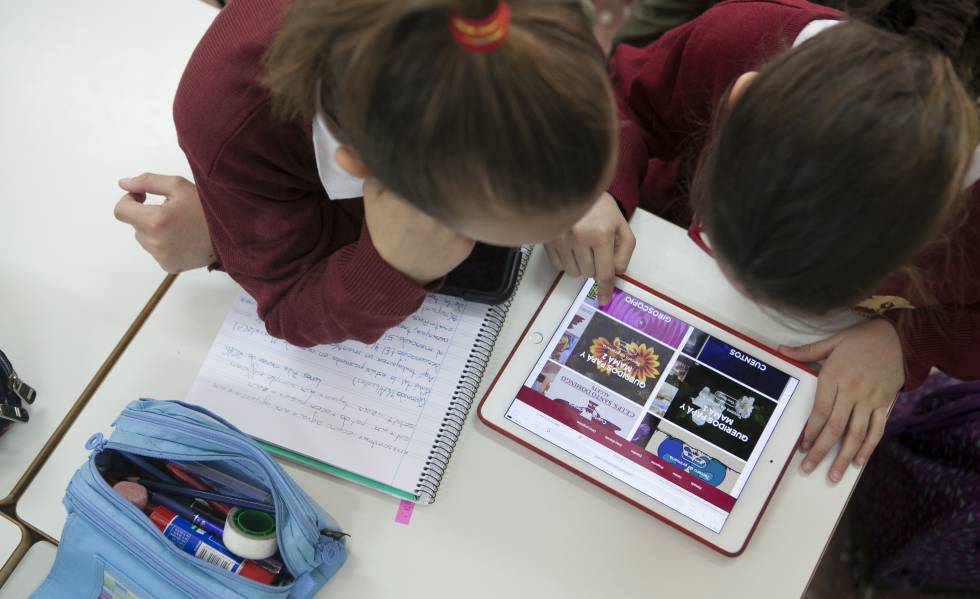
(481, 35)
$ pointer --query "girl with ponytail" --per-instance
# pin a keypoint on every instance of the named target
(437, 122)
(827, 162)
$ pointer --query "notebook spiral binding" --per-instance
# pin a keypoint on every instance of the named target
(464, 395)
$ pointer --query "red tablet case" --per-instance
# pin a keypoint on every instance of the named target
(570, 468)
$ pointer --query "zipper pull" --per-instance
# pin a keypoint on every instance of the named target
(96, 443)
(326, 551)
(25, 392)
(9, 412)
(326, 547)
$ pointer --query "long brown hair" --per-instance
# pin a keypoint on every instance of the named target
(527, 128)
(843, 159)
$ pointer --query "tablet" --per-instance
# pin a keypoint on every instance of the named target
(662, 406)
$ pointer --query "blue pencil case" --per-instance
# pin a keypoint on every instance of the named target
(110, 548)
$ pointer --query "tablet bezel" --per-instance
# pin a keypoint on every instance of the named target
(769, 469)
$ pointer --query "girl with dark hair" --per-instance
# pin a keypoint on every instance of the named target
(826, 162)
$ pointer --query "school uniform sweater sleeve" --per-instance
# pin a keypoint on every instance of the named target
(309, 262)
(667, 93)
(943, 331)
(948, 339)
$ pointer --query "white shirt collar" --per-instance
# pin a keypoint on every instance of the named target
(813, 28)
(339, 184)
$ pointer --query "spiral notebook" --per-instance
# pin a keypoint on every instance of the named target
(385, 415)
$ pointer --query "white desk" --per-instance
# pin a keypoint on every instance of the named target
(11, 536)
(30, 572)
(87, 94)
(506, 523)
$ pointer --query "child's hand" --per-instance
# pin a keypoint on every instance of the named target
(599, 245)
(412, 242)
(175, 232)
(858, 383)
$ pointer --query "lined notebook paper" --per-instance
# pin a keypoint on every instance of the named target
(387, 415)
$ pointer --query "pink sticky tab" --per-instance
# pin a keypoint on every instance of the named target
(404, 513)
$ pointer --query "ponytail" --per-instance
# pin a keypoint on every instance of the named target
(944, 24)
(948, 26)
(528, 127)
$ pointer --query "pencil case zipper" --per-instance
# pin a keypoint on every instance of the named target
(279, 482)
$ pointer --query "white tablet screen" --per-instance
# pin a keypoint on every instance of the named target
(655, 402)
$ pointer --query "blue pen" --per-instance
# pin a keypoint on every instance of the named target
(185, 492)
(189, 514)
(144, 465)
(226, 483)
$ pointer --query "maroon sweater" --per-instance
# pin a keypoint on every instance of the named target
(308, 261)
(667, 94)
